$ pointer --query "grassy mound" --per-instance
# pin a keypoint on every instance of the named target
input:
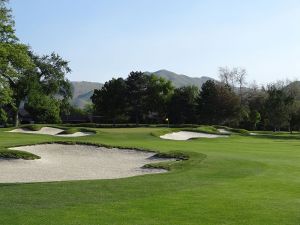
(14, 154)
(233, 130)
(204, 129)
(32, 127)
(75, 130)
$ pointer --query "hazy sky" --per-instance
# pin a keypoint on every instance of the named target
(109, 38)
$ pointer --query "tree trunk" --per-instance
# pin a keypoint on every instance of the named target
(16, 119)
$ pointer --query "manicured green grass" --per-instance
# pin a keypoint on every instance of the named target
(239, 180)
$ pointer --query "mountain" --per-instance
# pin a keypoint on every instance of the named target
(180, 80)
(82, 91)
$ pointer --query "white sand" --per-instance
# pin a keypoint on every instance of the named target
(50, 131)
(75, 162)
(223, 131)
(185, 135)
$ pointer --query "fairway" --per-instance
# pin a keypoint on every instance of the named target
(239, 180)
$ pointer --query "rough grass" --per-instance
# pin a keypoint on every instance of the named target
(75, 130)
(32, 127)
(233, 130)
(204, 129)
(242, 180)
(15, 154)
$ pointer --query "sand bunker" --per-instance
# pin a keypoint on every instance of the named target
(186, 135)
(50, 131)
(76, 162)
(223, 131)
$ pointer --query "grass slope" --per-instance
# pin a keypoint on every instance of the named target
(14, 154)
(241, 180)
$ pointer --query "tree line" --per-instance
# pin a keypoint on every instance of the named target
(143, 98)
(38, 82)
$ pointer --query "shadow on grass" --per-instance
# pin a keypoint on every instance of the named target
(278, 136)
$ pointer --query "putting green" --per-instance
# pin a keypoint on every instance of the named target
(241, 180)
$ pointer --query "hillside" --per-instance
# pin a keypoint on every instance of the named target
(180, 80)
(83, 90)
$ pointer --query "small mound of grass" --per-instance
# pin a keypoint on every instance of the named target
(75, 130)
(233, 130)
(70, 131)
(32, 127)
(15, 154)
(162, 166)
(204, 129)
(163, 132)
(172, 155)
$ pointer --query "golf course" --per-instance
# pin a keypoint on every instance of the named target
(238, 180)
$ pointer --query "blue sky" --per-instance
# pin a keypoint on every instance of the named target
(109, 38)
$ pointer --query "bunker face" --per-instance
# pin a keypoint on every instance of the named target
(223, 131)
(186, 135)
(50, 131)
(75, 162)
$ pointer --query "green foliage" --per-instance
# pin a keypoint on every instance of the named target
(182, 105)
(136, 84)
(110, 100)
(3, 117)
(43, 108)
(217, 104)
(278, 105)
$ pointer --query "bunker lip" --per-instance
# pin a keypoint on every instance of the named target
(61, 162)
(224, 131)
(186, 135)
(50, 131)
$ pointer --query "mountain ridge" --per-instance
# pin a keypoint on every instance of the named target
(83, 90)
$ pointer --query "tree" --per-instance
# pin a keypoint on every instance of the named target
(295, 120)
(217, 104)
(234, 78)
(182, 105)
(110, 100)
(157, 94)
(46, 78)
(43, 108)
(14, 58)
(278, 106)
(137, 83)
(5, 101)
(22, 71)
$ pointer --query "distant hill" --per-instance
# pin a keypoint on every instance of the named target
(83, 90)
(180, 80)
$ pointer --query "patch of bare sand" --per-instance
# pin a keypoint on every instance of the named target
(76, 162)
(186, 135)
(50, 131)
